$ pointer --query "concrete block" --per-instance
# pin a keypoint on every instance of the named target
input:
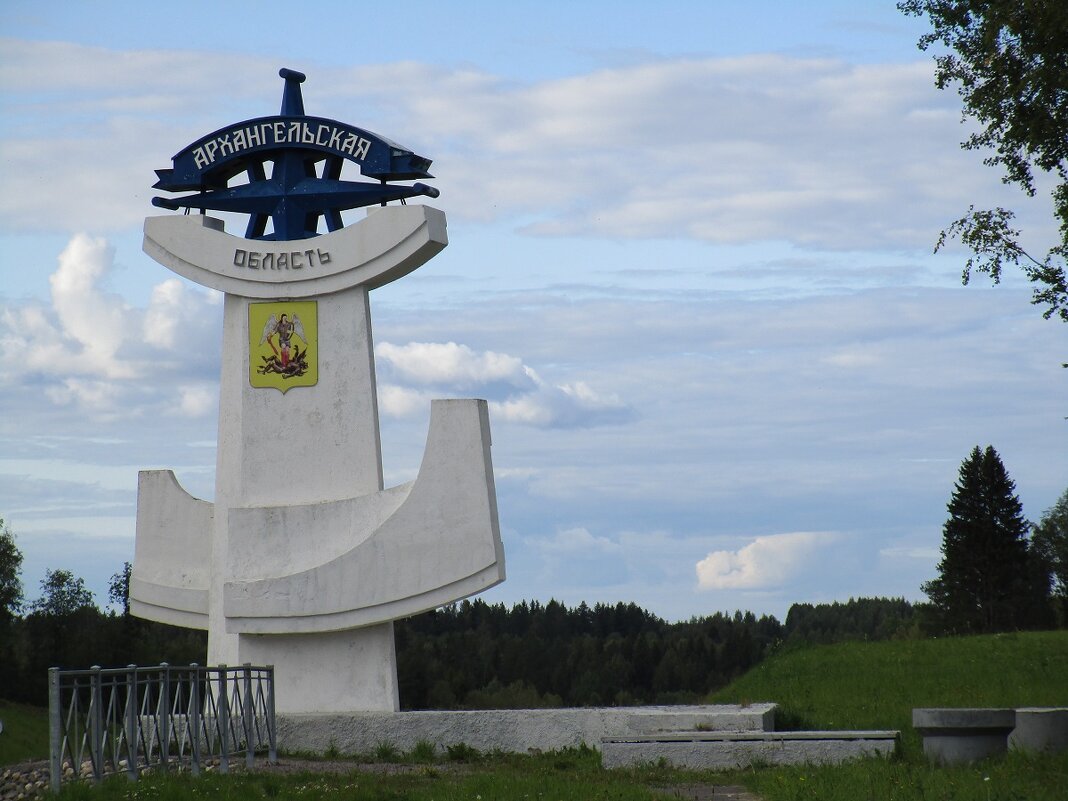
(730, 750)
(1040, 729)
(512, 730)
(955, 736)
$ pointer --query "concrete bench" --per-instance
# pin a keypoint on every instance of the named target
(1040, 729)
(701, 750)
(965, 735)
(953, 736)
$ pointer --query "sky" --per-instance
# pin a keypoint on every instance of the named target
(690, 267)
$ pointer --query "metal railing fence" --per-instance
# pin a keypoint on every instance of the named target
(108, 721)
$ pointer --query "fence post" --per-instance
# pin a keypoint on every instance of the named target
(272, 754)
(131, 722)
(55, 737)
(163, 711)
(246, 714)
(224, 722)
(96, 725)
(193, 719)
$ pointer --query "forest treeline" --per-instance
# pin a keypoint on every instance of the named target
(468, 655)
(475, 655)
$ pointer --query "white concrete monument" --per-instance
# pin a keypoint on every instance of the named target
(304, 560)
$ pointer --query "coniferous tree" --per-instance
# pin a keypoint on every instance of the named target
(989, 579)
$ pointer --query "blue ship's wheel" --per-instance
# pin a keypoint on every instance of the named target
(304, 183)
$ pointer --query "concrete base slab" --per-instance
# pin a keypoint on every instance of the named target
(726, 750)
(511, 730)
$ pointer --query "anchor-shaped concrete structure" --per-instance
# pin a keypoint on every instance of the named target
(304, 560)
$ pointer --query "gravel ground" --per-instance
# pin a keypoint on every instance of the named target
(23, 781)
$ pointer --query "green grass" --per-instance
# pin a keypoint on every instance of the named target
(25, 734)
(876, 685)
(570, 774)
(1014, 777)
(845, 686)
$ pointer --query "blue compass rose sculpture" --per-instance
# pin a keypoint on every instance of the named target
(305, 155)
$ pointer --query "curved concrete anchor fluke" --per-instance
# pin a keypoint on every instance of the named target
(335, 565)
(171, 577)
(399, 552)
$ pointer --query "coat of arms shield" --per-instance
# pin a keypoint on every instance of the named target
(283, 344)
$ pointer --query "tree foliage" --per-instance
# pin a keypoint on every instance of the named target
(989, 578)
(119, 588)
(858, 619)
(10, 602)
(475, 655)
(1009, 62)
(62, 595)
(1050, 540)
(10, 575)
(64, 628)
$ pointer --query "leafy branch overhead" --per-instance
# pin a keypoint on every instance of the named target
(1009, 61)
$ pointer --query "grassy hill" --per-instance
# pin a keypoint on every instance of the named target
(25, 734)
(875, 685)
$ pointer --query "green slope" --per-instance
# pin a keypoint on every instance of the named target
(25, 734)
(875, 685)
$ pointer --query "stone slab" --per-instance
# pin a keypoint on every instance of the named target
(1040, 729)
(728, 750)
(510, 730)
(957, 736)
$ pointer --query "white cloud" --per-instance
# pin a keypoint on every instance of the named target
(569, 405)
(95, 396)
(453, 364)
(91, 349)
(448, 368)
(575, 540)
(164, 308)
(816, 152)
(93, 319)
(197, 400)
(397, 401)
(763, 563)
(85, 328)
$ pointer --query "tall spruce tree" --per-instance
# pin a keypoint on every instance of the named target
(989, 579)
